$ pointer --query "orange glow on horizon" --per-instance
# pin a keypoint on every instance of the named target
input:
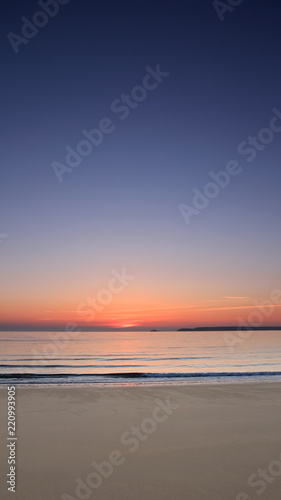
(139, 306)
(166, 317)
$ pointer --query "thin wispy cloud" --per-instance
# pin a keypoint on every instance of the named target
(235, 298)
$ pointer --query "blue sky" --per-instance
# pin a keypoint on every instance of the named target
(119, 207)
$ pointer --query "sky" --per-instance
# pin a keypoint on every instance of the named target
(123, 235)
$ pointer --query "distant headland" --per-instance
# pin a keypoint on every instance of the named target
(227, 328)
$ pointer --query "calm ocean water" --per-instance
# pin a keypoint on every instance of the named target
(137, 357)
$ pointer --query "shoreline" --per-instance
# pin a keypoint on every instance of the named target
(111, 385)
(142, 381)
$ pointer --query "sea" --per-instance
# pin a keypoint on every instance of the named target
(139, 358)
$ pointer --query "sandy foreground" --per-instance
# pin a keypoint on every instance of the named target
(161, 443)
